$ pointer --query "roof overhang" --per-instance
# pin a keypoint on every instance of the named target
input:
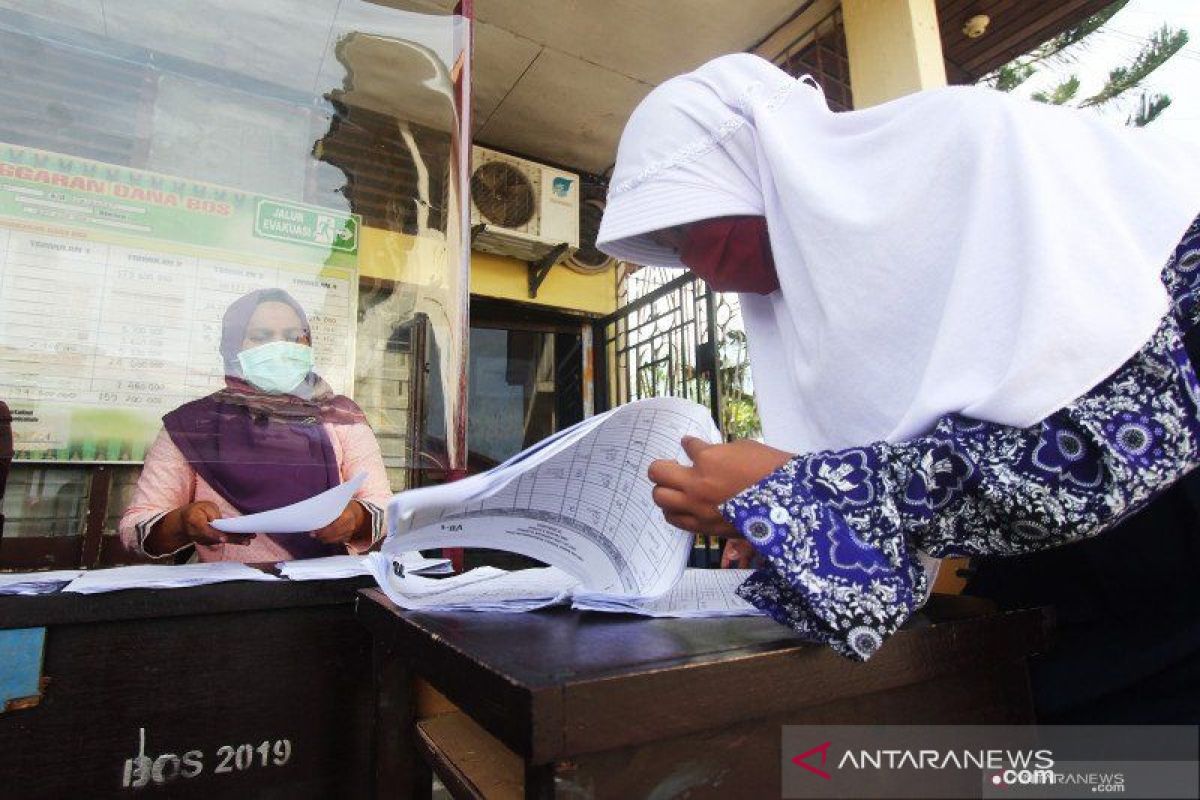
(556, 81)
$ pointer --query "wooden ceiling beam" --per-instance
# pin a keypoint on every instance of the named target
(1016, 28)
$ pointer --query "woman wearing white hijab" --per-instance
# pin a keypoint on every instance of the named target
(959, 333)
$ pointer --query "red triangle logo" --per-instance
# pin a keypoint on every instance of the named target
(823, 749)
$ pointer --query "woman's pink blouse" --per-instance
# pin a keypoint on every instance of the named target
(168, 481)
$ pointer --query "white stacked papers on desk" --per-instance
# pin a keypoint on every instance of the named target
(28, 583)
(156, 576)
(480, 589)
(700, 593)
(348, 566)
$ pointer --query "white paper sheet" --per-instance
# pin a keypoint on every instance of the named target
(580, 502)
(348, 566)
(30, 583)
(164, 576)
(394, 578)
(699, 593)
(480, 589)
(308, 515)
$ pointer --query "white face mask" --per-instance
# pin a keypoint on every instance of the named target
(276, 367)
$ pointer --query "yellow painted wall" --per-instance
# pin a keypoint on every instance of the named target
(508, 279)
(894, 47)
(419, 260)
(422, 261)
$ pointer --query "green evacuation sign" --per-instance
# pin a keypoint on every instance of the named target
(298, 224)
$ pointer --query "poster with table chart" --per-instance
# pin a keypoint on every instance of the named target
(111, 299)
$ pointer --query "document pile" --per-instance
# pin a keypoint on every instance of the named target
(698, 593)
(347, 566)
(29, 583)
(155, 576)
(578, 501)
(480, 589)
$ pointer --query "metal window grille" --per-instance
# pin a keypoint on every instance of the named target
(821, 52)
(662, 344)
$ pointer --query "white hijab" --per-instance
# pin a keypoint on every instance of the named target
(956, 250)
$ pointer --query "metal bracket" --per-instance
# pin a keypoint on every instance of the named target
(538, 270)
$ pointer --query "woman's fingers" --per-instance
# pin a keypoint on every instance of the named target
(329, 534)
(221, 537)
(685, 522)
(672, 474)
(694, 447)
(677, 502)
(669, 499)
(337, 531)
(700, 524)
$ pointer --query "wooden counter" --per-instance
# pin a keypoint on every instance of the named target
(228, 690)
(564, 703)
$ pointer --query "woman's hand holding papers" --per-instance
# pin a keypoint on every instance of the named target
(187, 524)
(352, 527)
(689, 496)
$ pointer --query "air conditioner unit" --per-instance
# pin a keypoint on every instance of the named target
(525, 209)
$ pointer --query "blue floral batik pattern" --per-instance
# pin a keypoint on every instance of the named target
(840, 531)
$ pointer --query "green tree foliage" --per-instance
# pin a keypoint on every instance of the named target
(1158, 49)
(1150, 106)
(1165, 43)
(1060, 94)
(1016, 72)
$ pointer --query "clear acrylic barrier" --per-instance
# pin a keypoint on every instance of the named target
(245, 217)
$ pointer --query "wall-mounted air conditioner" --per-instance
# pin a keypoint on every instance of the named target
(525, 209)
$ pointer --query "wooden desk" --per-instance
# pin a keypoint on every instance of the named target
(563, 703)
(206, 675)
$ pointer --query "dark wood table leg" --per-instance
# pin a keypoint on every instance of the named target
(400, 772)
(539, 782)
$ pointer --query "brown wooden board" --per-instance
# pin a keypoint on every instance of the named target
(742, 758)
(233, 597)
(1016, 27)
(559, 683)
(470, 762)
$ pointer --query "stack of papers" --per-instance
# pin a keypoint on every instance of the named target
(699, 593)
(155, 576)
(28, 583)
(347, 566)
(480, 589)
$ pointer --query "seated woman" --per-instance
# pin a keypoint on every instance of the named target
(276, 434)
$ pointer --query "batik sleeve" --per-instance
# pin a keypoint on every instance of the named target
(1181, 276)
(840, 530)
